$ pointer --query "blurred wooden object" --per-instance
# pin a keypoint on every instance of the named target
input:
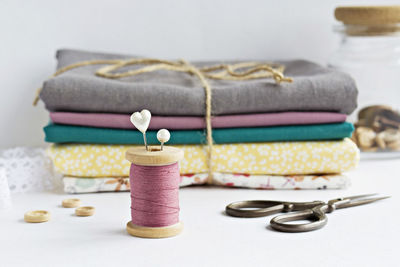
(377, 128)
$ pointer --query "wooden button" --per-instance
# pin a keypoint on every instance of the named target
(37, 216)
(71, 203)
(84, 211)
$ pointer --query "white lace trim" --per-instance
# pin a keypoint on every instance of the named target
(28, 169)
(5, 199)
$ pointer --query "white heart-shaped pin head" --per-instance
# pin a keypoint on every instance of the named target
(141, 120)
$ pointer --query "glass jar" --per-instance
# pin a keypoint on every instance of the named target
(370, 53)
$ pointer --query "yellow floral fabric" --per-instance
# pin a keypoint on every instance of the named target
(276, 158)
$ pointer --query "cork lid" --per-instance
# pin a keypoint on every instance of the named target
(154, 157)
(368, 15)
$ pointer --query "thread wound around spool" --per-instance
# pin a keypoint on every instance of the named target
(154, 157)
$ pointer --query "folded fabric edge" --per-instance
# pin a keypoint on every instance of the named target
(59, 133)
(75, 185)
(88, 156)
(122, 121)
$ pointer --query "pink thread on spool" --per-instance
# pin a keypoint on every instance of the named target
(154, 182)
(155, 195)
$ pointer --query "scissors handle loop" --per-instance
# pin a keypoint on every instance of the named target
(261, 208)
(316, 215)
(254, 208)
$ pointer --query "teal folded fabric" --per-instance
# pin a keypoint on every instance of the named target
(56, 133)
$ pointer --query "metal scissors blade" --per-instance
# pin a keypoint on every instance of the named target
(360, 196)
(353, 201)
(317, 214)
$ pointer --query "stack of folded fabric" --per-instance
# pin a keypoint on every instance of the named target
(266, 136)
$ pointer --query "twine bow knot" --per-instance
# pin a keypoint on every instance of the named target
(231, 72)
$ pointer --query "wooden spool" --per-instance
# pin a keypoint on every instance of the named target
(154, 157)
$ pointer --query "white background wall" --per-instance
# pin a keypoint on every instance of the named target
(31, 31)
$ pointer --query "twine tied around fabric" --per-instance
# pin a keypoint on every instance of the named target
(120, 181)
(231, 72)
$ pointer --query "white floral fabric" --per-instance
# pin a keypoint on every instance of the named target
(75, 185)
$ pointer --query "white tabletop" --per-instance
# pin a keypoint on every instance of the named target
(361, 236)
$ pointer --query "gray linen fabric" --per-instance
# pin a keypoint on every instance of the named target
(315, 88)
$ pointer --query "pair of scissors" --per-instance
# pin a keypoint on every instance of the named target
(313, 211)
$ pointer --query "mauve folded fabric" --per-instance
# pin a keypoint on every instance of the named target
(315, 88)
(109, 120)
(57, 133)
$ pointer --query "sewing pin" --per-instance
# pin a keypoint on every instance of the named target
(145, 141)
(163, 136)
(141, 121)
